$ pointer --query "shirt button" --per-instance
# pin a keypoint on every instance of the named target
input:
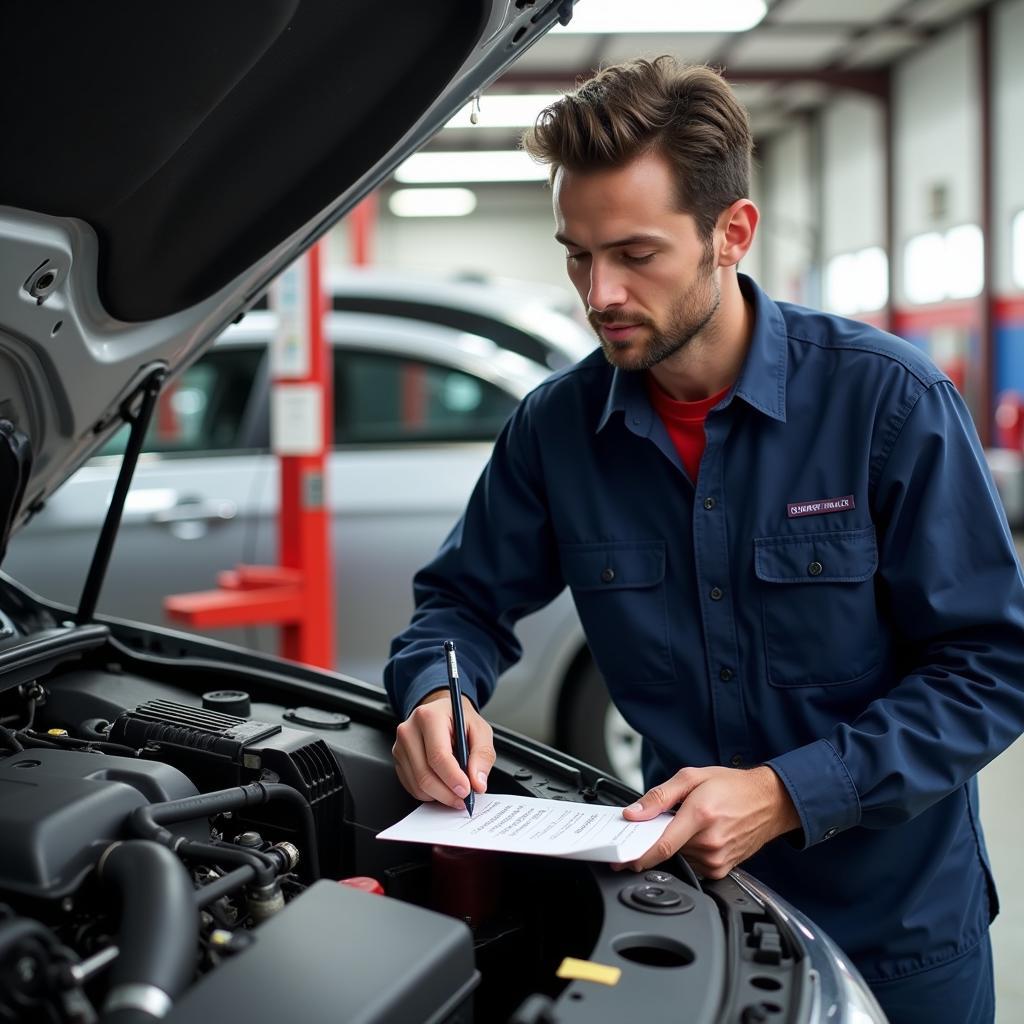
(607, 575)
(737, 761)
(814, 569)
(830, 833)
(725, 675)
(716, 593)
(709, 503)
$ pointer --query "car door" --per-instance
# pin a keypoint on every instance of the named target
(412, 431)
(190, 505)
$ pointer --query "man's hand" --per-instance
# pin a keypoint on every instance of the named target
(424, 759)
(727, 815)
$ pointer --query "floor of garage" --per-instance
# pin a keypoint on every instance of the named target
(1004, 831)
(1003, 821)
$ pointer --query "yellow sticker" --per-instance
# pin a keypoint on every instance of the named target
(587, 970)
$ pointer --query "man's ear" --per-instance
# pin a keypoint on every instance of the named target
(736, 226)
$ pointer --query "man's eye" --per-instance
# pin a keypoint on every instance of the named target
(646, 258)
(574, 257)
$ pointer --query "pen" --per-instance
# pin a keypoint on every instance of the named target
(460, 725)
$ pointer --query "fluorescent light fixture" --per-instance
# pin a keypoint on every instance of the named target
(654, 16)
(504, 110)
(475, 165)
(432, 202)
(1017, 249)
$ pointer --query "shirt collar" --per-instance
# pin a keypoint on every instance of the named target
(761, 383)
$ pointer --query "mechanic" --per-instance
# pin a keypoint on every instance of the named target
(786, 550)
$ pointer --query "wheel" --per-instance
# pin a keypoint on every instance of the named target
(595, 732)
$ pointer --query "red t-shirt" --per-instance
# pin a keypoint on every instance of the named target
(684, 422)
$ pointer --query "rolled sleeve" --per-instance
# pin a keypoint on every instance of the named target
(821, 788)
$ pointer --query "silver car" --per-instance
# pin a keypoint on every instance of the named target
(205, 493)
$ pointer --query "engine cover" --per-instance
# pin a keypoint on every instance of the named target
(337, 954)
(60, 808)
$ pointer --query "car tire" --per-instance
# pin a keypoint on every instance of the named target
(594, 730)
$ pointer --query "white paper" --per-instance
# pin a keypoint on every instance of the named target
(520, 824)
(296, 419)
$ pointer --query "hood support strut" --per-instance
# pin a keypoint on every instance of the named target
(105, 545)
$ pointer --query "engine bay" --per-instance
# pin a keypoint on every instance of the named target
(174, 828)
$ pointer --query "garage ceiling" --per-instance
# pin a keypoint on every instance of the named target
(792, 61)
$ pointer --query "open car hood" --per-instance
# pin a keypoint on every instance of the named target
(163, 162)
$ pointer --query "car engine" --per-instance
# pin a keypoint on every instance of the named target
(189, 832)
(173, 852)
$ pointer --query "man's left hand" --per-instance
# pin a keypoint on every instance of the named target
(727, 815)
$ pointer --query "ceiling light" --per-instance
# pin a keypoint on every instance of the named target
(432, 202)
(504, 111)
(475, 165)
(653, 16)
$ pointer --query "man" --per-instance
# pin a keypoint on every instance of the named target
(784, 546)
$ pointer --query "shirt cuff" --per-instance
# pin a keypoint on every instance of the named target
(821, 788)
(430, 679)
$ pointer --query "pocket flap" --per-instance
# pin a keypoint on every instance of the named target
(613, 566)
(849, 556)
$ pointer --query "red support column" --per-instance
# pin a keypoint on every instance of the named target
(296, 595)
(304, 521)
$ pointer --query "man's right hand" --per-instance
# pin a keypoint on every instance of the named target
(424, 757)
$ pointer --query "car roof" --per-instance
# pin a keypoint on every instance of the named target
(473, 354)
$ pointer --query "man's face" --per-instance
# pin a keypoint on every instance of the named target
(647, 279)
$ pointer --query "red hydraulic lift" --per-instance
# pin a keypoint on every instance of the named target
(296, 595)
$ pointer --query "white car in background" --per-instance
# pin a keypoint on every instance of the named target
(205, 493)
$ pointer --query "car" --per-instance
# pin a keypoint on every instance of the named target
(205, 493)
(178, 811)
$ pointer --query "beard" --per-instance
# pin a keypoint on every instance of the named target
(691, 311)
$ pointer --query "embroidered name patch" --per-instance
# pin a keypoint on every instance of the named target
(817, 508)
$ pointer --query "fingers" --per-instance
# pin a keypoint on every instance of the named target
(664, 797)
(679, 831)
(424, 760)
(480, 738)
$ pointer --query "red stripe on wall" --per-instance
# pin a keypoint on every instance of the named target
(943, 314)
(1010, 310)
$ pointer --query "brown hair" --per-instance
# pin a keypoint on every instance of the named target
(689, 114)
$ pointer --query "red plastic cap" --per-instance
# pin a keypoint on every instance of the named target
(364, 882)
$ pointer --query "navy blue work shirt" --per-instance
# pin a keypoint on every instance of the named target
(837, 596)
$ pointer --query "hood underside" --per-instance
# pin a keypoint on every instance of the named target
(163, 162)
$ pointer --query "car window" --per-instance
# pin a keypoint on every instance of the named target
(204, 408)
(381, 398)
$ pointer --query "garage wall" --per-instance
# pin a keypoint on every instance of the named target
(1007, 134)
(938, 139)
(853, 175)
(789, 223)
(510, 234)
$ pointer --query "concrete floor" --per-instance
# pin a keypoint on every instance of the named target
(1002, 814)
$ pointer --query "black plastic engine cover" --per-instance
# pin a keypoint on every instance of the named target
(338, 954)
(60, 808)
(218, 751)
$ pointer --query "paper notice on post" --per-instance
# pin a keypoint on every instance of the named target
(520, 824)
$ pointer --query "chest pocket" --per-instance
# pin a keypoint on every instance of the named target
(619, 590)
(820, 618)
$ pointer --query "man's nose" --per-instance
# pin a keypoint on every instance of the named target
(606, 288)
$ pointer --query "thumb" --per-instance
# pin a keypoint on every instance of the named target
(663, 798)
